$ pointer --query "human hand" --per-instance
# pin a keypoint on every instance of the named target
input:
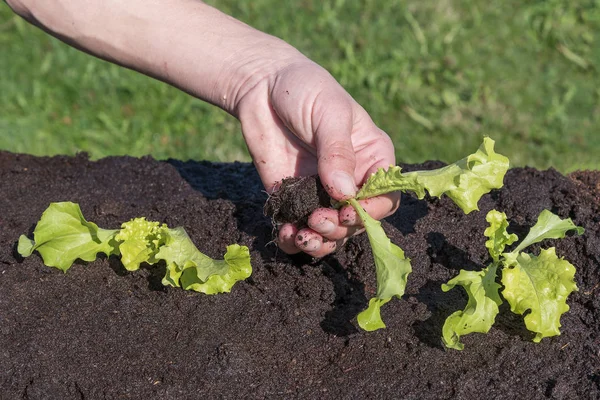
(298, 121)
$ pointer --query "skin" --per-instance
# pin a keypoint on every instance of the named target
(295, 117)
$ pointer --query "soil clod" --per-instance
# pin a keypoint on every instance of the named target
(296, 199)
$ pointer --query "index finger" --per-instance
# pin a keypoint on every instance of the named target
(377, 207)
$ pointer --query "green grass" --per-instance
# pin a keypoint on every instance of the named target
(435, 75)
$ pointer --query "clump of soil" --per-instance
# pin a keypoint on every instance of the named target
(100, 332)
(295, 199)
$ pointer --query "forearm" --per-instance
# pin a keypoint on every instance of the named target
(185, 43)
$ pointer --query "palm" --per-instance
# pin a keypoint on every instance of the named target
(286, 121)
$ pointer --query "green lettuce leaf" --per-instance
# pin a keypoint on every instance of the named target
(390, 180)
(370, 319)
(188, 268)
(548, 226)
(238, 260)
(499, 238)
(63, 235)
(392, 269)
(139, 241)
(464, 182)
(539, 284)
(482, 307)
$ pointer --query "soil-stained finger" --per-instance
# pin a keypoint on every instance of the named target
(286, 239)
(326, 222)
(327, 247)
(314, 244)
(308, 240)
(377, 207)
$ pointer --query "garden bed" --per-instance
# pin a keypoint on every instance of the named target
(290, 330)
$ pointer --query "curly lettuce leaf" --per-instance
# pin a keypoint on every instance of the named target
(63, 235)
(188, 268)
(139, 241)
(540, 284)
(548, 226)
(498, 236)
(392, 269)
(464, 182)
(482, 307)
(390, 180)
(237, 259)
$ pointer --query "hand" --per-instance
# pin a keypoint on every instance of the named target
(299, 121)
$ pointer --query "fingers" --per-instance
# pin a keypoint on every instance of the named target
(327, 223)
(286, 239)
(292, 241)
(329, 228)
(332, 124)
(314, 244)
(377, 207)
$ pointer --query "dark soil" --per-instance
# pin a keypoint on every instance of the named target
(99, 332)
(295, 199)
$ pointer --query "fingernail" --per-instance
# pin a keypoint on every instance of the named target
(344, 183)
(325, 227)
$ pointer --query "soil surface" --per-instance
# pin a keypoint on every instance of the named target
(100, 332)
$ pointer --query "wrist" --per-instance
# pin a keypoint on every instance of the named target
(185, 43)
(253, 66)
(220, 59)
(209, 54)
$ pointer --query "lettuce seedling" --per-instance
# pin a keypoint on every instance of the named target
(391, 267)
(464, 182)
(536, 285)
(63, 235)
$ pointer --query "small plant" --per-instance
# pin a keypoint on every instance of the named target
(538, 285)
(63, 235)
(464, 182)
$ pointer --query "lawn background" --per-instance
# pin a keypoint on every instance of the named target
(435, 75)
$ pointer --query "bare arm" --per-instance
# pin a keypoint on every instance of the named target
(176, 41)
(296, 119)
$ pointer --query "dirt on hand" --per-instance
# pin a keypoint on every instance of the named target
(295, 199)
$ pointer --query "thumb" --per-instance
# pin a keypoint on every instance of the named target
(335, 152)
